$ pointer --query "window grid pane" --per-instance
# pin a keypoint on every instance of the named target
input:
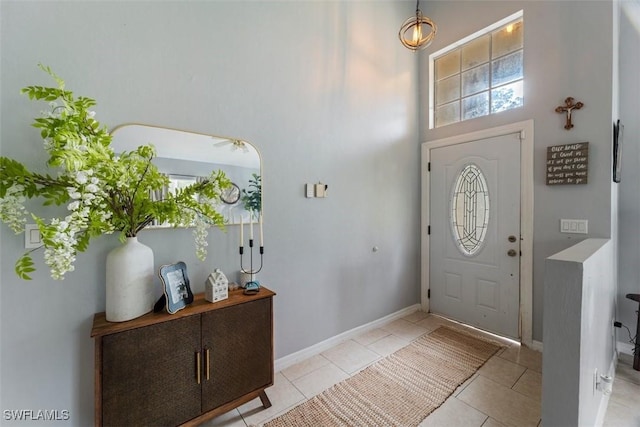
(448, 89)
(476, 52)
(475, 106)
(448, 113)
(507, 97)
(447, 65)
(475, 80)
(507, 39)
(506, 69)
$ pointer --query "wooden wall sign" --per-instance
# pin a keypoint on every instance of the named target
(568, 164)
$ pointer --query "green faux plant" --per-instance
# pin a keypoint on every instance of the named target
(252, 197)
(103, 192)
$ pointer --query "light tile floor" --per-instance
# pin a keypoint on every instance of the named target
(506, 391)
(624, 402)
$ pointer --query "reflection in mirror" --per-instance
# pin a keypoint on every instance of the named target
(187, 157)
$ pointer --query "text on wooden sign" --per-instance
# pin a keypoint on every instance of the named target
(568, 164)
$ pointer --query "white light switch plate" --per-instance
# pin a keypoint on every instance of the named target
(32, 238)
(309, 190)
(578, 226)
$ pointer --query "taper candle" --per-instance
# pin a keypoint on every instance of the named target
(241, 231)
(261, 233)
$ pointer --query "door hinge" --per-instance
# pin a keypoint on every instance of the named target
(428, 229)
(428, 293)
(429, 167)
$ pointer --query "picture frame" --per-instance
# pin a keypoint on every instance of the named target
(618, 129)
(176, 289)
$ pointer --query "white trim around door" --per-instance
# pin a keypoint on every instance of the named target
(525, 128)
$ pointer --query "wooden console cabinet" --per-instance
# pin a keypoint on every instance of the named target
(184, 368)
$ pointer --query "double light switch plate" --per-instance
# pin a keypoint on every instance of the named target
(318, 190)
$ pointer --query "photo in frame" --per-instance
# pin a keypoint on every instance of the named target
(177, 291)
(618, 129)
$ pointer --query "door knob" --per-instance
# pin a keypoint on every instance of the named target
(512, 239)
(512, 252)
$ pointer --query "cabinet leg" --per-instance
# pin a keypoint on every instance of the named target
(266, 403)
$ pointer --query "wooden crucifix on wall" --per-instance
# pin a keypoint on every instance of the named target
(567, 108)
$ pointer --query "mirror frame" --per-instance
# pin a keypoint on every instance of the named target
(230, 215)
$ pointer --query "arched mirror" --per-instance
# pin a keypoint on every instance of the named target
(187, 156)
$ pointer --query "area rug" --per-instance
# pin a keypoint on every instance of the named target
(399, 390)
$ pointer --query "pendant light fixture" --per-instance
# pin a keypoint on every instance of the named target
(418, 31)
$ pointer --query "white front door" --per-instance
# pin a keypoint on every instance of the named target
(474, 249)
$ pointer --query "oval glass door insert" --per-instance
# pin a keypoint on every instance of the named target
(470, 209)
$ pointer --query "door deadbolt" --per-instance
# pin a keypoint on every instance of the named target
(512, 252)
(512, 239)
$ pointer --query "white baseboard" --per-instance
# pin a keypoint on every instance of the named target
(536, 345)
(305, 353)
(624, 347)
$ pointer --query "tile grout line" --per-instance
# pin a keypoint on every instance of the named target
(518, 379)
(468, 382)
(310, 372)
(277, 414)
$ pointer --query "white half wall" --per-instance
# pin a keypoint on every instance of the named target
(579, 307)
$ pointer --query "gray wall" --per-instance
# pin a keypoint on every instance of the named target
(559, 62)
(323, 89)
(629, 253)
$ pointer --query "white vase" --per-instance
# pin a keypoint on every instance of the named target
(130, 292)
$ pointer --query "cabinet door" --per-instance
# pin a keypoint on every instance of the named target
(149, 374)
(240, 344)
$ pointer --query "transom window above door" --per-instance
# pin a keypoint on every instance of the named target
(479, 75)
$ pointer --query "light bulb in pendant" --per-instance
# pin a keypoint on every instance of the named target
(417, 34)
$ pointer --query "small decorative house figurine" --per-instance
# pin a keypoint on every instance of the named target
(216, 287)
